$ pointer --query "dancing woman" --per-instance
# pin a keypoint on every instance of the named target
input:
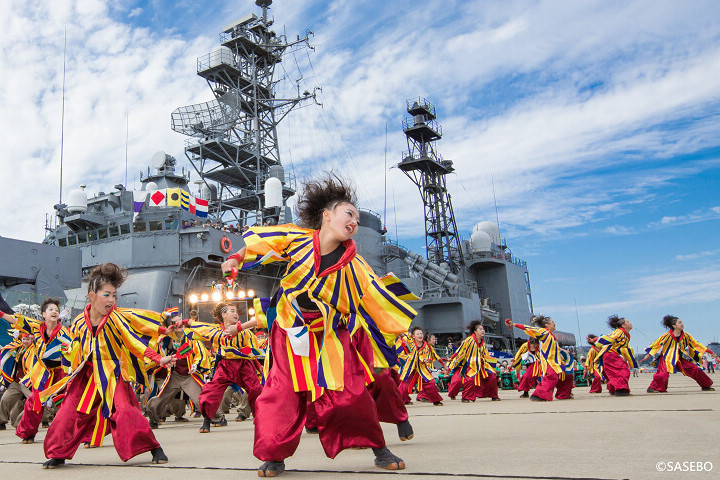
(419, 358)
(46, 370)
(327, 295)
(549, 354)
(615, 355)
(671, 346)
(106, 354)
(237, 350)
(478, 369)
(591, 372)
(527, 356)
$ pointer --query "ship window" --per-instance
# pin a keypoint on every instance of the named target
(171, 224)
(124, 229)
(102, 233)
(71, 240)
(155, 225)
(140, 227)
(114, 231)
(82, 238)
(62, 242)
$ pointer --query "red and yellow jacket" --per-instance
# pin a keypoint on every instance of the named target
(418, 360)
(243, 346)
(549, 351)
(474, 355)
(348, 295)
(12, 356)
(117, 353)
(530, 359)
(39, 376)
(617, 341)
(590, 366)
(671, 348)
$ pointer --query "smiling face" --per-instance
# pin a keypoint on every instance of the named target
(27, 340)
(51, 313)
(102, 301)
(418, 336)
(230, 315)
(342, 221)
(678, 327)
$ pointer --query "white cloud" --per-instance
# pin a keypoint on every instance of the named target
(135, 12)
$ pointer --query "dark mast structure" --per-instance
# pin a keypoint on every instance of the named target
(427, 169)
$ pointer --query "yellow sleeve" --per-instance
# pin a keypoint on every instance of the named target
(26, 324)
(265, 245)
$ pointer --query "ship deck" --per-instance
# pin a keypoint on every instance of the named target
(592, 436)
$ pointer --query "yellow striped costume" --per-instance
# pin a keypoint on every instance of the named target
(478, 363)
(549, 351)
(352, 296)
(617, 341)
(672, 348)
(530, 359)
(243, 346)
(590, 366)
(117, 353)
(419, 359)
(39, 376)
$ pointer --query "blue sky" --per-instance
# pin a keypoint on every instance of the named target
(597, 122)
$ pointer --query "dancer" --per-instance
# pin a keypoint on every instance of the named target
(566, 378)
(549, 354)
(327, 280)
(16, 359)
(527, 356)
(237, 350)
(106, 354)
(615, 355)
(48, 336)
(478, 371)
(419, 359)
(671, 346)
(591, 372)
(192, 363)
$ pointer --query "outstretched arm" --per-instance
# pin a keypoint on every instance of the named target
(233, 260)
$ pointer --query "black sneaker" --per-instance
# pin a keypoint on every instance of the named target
(181, 419)
(271, 469)
(205, 426)
(707, 389)
(53, 463)
(312, 430)
(45, 424)
(221, 423)
(240, 418)
(438, 404)
(652, 390)
(158, 455)
(405, 430)
(28, 440)
(537, 399)
(622, 393)
(384, 458)
(525, 395)
(154, 425)
(496, 399)
(2, 426)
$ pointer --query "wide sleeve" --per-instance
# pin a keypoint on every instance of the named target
(140, 330)
(201, 357)
(606, 342)
(461, 355)
(517, 360)
(265, 245)
(205, 332)
(658, 344)
(695, 349)
(26, 324)
(533, 332)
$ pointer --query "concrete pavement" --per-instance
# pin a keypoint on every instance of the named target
(591, 436)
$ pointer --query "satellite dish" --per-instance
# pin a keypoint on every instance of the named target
(151, 187)
(158, 159)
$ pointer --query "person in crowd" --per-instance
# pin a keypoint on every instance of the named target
(527, 356)
(615, 357)
(478, 369)
(591, 372)
(417, 370)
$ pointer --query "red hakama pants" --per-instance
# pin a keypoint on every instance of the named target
(428, 389)
(564, 387)
(596, 385)
(456, 383)
(545, 389)
(617, 371)
(345, 419)
(388, 401)
(228, 371)
(688, 368)
(32, 415)
(528, 381)
(488, 388)
(131, 431)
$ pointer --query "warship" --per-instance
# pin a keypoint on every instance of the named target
(172, 234)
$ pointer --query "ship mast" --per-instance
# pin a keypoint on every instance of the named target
(233, 140)
(427, 169)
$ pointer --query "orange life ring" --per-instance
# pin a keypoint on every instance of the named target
(225, 244)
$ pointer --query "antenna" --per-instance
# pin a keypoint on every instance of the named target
(127, 132)
(497, 217)
(577, 318)
(62, 121)
(385, 171)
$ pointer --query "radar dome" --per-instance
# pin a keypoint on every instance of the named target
(480, 242)
(77, 201)
(490, 228)
(158, 159)
(273, 192)
(151, 187)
